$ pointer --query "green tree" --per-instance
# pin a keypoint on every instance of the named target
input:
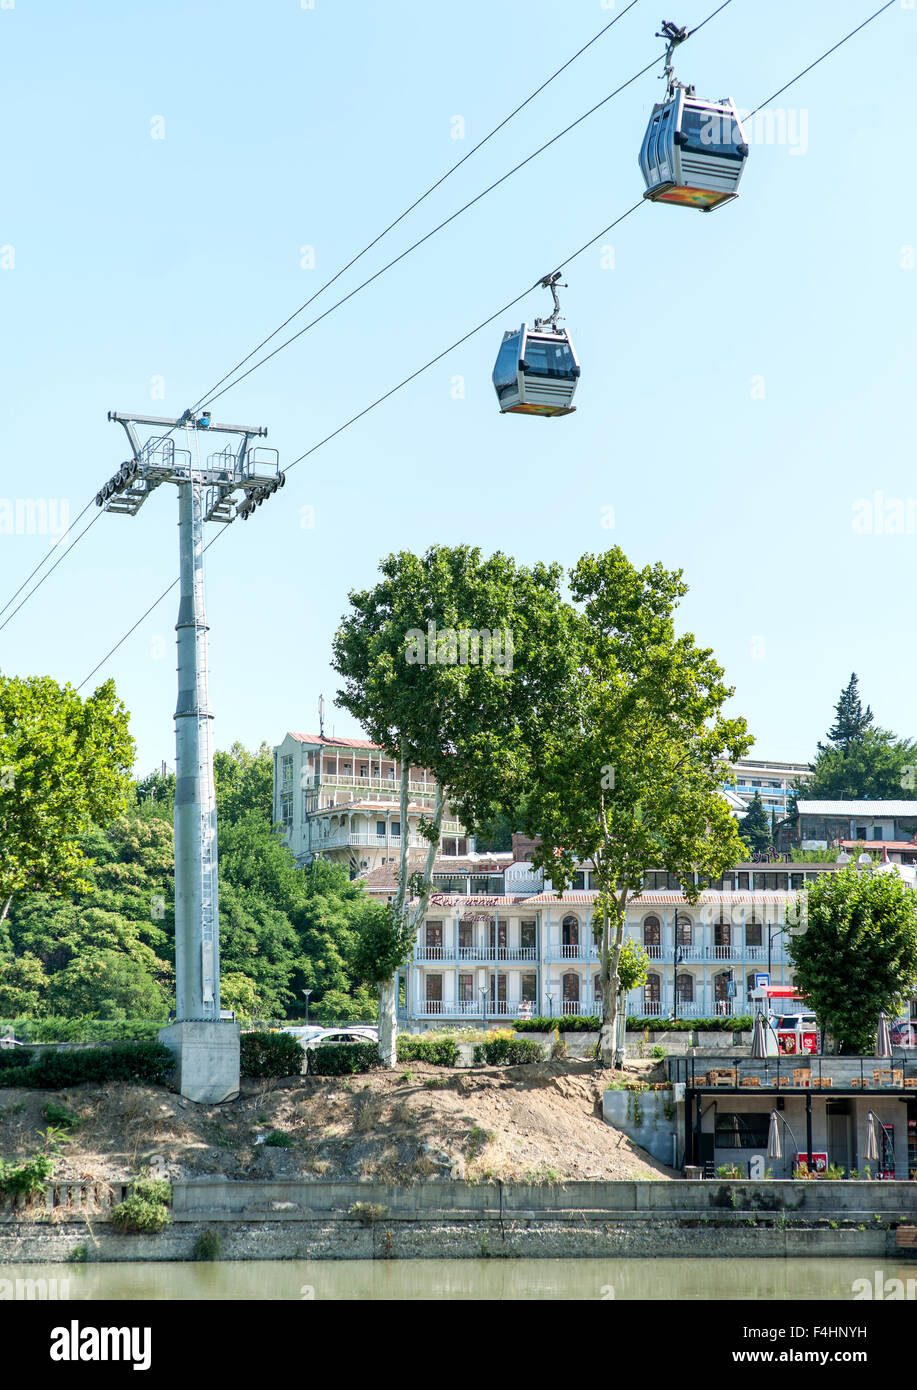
(244, 783)
(850, 719)
(860, 761)
(22, 986)
(328, 924)
(856, 956)
(108, 984)
(64, 765)
(754, 828)
(124, 906)
(630, 764)
(429, 697)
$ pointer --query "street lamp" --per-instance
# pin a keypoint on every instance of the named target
(679, 957)
(771, 937)
(307, 992)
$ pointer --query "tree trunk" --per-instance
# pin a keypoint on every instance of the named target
(611, 956)
(6, 908)
(388, 1025)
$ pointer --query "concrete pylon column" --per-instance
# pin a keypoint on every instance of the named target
(207, 1049)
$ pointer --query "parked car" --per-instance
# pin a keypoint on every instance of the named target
(904, 1034)
(305, 1033)
(343, 1035)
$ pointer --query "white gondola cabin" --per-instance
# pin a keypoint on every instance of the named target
(694, 152)
(536, 371)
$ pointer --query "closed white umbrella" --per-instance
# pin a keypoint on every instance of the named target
(774, 1147)
(871, 1152)
(883, 1038)
(758, 1041)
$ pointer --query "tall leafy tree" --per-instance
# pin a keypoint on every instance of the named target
(754, 828)
(431, 699)
(64, 765)
(856, 956)
(629, 765)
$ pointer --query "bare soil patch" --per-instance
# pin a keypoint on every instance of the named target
(539, 1122)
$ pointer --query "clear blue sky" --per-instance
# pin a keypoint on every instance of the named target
(284, 127)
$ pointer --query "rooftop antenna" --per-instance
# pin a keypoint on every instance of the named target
(231, 483)
(321, 716)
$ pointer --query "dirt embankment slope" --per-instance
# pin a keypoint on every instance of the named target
(537, 1123)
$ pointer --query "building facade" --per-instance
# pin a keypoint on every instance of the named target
(892, 825)
(516, 948)
(338, 799)
(774, 781)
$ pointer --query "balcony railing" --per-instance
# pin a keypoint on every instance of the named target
(560, 952)
(466, 1008)
(345, 779)
(476, 953)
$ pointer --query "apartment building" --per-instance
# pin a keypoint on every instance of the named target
(497, 942)
(338, 799)
(774, 781)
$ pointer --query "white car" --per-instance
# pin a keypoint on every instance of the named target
(343, 1035)
(305, 1034)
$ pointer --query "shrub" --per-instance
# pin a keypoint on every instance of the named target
(508, 1052)
(742, 1023)
(139, 1216)
(154, 1190)
(147, 1062)
(571, 1023)
(270, 1054)
(368, 1213)
(277, 1139)
(11, 1057)
(439, 1052)
(343, 1059)
(55, 1030)
(27, 1179)
(60, 1116)
(208, 1245)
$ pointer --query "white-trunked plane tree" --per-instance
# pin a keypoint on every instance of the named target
(231, 483)
(450, 663)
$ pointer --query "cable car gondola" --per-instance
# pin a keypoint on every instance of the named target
(536, 369)
(694, 150)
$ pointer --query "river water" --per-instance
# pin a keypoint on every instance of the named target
(367, 1280)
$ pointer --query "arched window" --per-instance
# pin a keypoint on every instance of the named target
(749, 984)
(685, 935)
(570, 935)
(571, 988)
(651, 991)
(652, 937)
(685, 989)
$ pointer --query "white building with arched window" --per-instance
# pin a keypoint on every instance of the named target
(486, 954)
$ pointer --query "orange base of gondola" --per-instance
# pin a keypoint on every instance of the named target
(681, 196)
(529, 409)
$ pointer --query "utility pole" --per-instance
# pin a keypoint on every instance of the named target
(232, 483)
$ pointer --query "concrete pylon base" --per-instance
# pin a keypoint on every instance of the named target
(207, 1056)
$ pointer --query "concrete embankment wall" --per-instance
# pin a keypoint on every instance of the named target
(359, 1220)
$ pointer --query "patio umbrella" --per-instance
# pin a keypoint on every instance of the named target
(758, 1043)
(774, 1149)
(883, 1038)
(871, 1152)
